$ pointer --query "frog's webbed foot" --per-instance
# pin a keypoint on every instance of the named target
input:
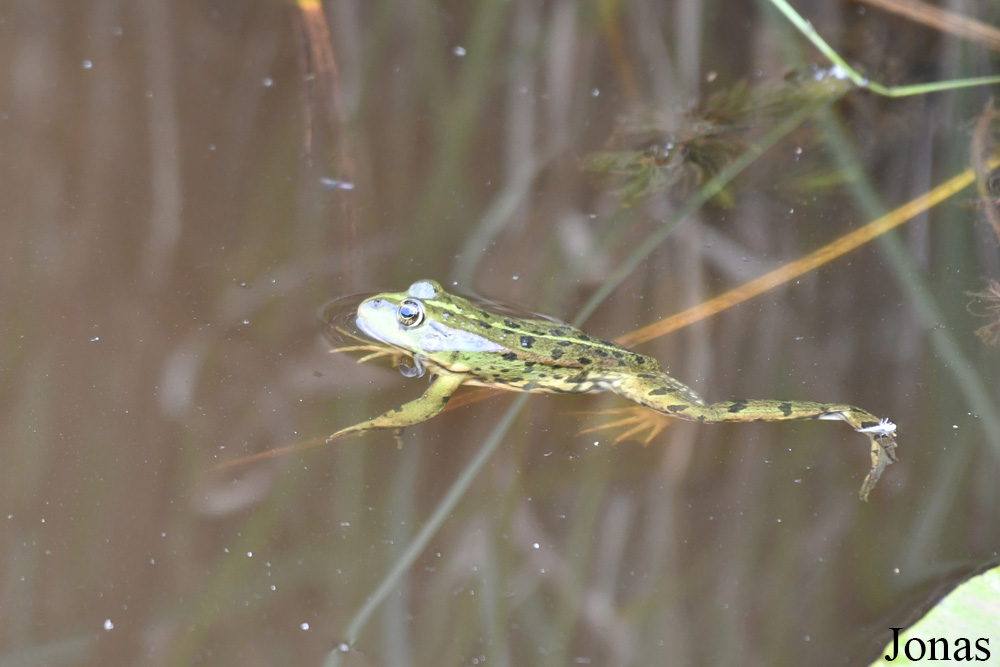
(637, 419)
(883, 453)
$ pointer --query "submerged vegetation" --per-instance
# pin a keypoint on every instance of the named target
(656, 150)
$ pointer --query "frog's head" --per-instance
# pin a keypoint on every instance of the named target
(425, 321)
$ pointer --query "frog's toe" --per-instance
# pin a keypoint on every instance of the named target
(636, 421)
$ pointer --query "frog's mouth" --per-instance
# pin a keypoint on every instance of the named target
(379, 319)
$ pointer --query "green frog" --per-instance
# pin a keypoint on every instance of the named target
(462, 343)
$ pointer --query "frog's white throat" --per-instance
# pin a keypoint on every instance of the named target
(379, 322)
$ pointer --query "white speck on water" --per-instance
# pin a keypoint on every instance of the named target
(536, 545)
(87, 64)
(459, 51)
(249, 554)
(108, 625)
(304, 626)
(595, 92)
(334, 184)
(95, 339)
(267, 82)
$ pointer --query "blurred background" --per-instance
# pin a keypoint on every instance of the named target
(186, 184)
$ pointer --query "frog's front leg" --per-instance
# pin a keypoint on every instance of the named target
(413, 412)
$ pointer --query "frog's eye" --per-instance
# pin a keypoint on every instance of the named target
(410, 313)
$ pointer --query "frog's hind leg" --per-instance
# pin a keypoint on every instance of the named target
(665, 394)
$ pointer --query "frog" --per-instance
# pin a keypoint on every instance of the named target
(461, 342)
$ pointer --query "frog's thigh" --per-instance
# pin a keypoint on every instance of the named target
(662, 393)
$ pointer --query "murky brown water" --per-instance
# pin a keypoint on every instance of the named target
(174, 217)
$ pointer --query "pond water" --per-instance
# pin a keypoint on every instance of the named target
(187, 184)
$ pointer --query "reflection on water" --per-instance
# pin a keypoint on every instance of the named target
(338, 317)
(168, 238)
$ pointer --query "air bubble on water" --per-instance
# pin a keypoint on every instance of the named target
(459, 51)
(88, 64)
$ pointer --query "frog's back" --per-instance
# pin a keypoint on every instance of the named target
(554, 357)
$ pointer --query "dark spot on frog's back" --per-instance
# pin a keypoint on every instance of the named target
(556, 354)
(738, 406)
(564, 343)
(583, 361)
(510, 356)
(786, 408)
(527, 341)
(511, 323)
(659, 391)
